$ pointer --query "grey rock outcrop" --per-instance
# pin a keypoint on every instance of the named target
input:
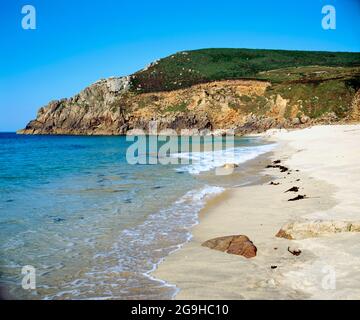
(316, 228)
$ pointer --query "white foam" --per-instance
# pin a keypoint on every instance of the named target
(206, 161)
(200, 195)
(196, 200)
(139, 249)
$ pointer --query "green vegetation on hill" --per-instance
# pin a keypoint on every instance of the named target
(187, 68)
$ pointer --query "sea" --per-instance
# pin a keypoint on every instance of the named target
(90, 225)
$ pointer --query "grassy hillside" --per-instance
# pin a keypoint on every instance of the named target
(187, 68)
(315, 90)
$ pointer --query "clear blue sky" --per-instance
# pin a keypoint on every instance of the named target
(78, 42)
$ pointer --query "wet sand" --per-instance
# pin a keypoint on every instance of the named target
(327, 158)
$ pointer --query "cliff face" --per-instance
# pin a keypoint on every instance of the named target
(93, 111)
(108, 107)
(285, 97)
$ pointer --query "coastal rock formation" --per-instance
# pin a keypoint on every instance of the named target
(93, 110)
(212, 90)
(236, 244)
(316, 228)
(230, 166)
(109, 108)
(355, 107)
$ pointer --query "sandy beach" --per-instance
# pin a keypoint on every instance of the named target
(323, 162)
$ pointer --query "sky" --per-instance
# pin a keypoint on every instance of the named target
(77, 42)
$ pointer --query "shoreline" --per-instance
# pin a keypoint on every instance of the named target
(259, 211)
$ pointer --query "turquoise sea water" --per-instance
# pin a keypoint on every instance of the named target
(92, 225)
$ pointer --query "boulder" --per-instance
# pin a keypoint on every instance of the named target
(295, 121)
(316, 228)
(230, 166)
(304, 119)
(235, 244)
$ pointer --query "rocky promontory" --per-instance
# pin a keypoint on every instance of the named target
(243, 90)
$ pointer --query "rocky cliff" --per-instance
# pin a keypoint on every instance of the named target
(181, 92)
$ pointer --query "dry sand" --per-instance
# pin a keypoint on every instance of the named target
(327, 158)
